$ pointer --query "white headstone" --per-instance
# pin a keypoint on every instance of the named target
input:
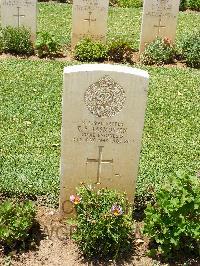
(159, 20)
(102, 124)
(89, 19)
(17, 13)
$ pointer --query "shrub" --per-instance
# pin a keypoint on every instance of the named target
(16, 220)
(194, 4)
(161, 51)
(104, 224)
(190, 46)
(183, 5)
(89, 51)
(120, 51)
(46, 45)
(173, 221)
(17, 40)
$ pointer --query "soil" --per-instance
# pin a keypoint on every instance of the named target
(54, 247)
(68, 57)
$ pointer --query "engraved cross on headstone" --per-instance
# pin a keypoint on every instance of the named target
(100, 161)
(159, 26)
(18, 16)
(89, 19)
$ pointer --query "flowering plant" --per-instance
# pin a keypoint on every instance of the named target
(104, 222)
(159, 52)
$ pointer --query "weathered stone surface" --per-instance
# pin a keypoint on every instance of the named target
(17, 13)
(89, 19)
(102, 124)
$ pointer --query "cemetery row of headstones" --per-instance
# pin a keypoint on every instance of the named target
(89, 18)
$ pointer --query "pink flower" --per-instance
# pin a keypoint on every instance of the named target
(116, 210)
(75, 199)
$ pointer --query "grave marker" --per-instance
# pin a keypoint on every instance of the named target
(89, 19)
(159, 20)
(18, 16)
(17, 13)
(102, 124)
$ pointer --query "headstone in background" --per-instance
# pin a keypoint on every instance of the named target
(159, 20)
(17, 13)
(102, 124)
(89, 19)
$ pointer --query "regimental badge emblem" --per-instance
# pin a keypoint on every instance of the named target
(105, 98)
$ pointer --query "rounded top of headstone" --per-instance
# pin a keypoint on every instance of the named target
(106, 67)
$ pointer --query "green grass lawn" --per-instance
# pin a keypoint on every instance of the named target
(30, 109)
(31, 122)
